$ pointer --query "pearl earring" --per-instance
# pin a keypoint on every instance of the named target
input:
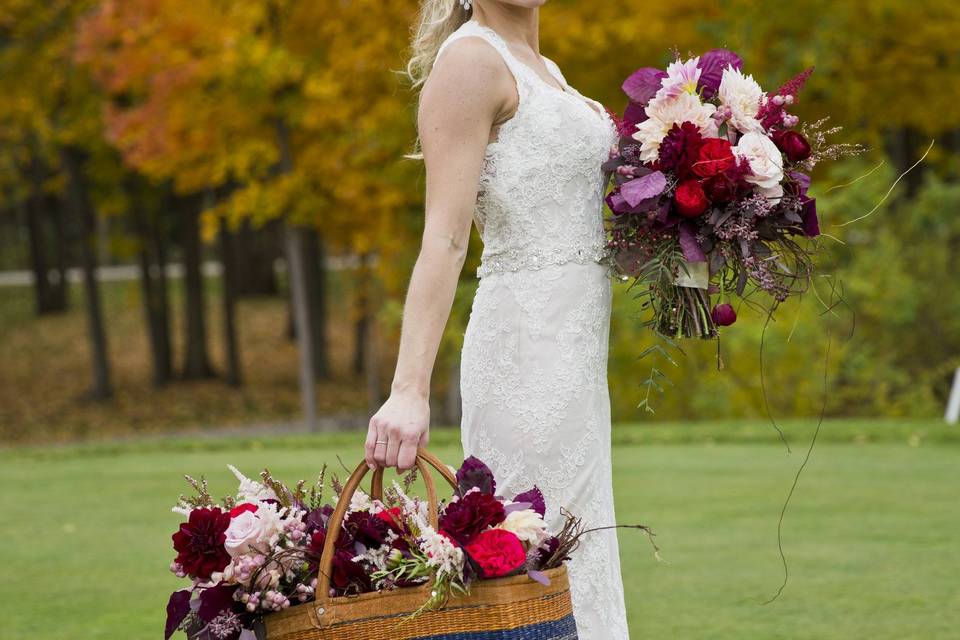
(466, 4)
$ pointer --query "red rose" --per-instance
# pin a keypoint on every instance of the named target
(470, 515)
(199, 543)
(793, 144)
(715, 157)
(243, 508)
(690, 198)
(497, 553)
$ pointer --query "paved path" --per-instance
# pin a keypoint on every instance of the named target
(127, 272)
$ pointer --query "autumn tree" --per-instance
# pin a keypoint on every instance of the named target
(51, 117)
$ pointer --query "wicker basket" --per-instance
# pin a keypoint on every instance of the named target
(514, 608)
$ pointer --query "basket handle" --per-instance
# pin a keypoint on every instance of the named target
(425, 460)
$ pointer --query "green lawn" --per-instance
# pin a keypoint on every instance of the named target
(872, 535)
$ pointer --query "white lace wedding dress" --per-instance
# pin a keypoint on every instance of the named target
(534, 366)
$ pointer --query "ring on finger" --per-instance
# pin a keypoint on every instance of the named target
(381, 442)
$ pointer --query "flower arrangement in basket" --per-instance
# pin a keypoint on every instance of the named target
(370, 564)
(710, 197)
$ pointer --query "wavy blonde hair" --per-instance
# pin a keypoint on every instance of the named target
(436, 21)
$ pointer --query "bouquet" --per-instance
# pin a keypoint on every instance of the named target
(710, 200)
(258, 551)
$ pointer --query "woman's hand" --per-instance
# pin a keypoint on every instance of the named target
(397, 430)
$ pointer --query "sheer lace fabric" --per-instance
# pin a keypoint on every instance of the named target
(534, 365)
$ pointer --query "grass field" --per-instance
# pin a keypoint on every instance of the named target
(871, 536)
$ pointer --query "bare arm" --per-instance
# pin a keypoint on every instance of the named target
(467, 93)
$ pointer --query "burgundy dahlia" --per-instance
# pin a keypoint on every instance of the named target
(366, 528)
(349, 577)
(464, 519)
(681, 149)
(200, 543)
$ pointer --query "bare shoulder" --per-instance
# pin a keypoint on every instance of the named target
(470, 74)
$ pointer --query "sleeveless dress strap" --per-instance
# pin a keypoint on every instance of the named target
(474, 29)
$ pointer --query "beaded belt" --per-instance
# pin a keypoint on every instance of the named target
(533, 259)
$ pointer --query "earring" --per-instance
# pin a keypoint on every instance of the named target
(466, 4)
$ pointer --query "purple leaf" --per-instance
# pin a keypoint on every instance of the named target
(177, 609)
(811, 224)
(643, 84)
(689, 246)
(216, 600)
(633, 115)
(802, 180)
(644, 188)
(540, 577)
(711, 65)
(516, 506)
(616, 202)
(535, 498)
(474, 473)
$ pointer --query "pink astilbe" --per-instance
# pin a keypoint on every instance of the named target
(771, 112)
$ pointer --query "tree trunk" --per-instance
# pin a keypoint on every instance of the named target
(80, 204)
(153, 285)
(234, 376)
(59, 286)
(316, 285)
(196, 362)
(159, 240)
(361, 329)
(904, 146)
(49, 296)
(38, 260)
(294, 242)
(256, 250)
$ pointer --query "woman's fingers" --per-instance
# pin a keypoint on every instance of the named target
(380, 446)
(407, 456)
(371, 443)
(393, 447)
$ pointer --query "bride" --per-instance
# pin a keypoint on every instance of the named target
(510, 146)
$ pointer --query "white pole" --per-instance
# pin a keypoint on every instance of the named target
(953, 405)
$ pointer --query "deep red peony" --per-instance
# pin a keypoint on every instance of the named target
(497, 553)
(199, 543)
(243, 508)
(715, 158)
(464, 519)
(793, 144)
(690, 199)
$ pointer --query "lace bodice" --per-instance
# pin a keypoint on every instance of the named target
(540, 196)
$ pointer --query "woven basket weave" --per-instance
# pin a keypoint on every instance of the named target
(514, 608)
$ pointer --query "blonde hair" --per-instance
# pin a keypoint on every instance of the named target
(436, 21)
